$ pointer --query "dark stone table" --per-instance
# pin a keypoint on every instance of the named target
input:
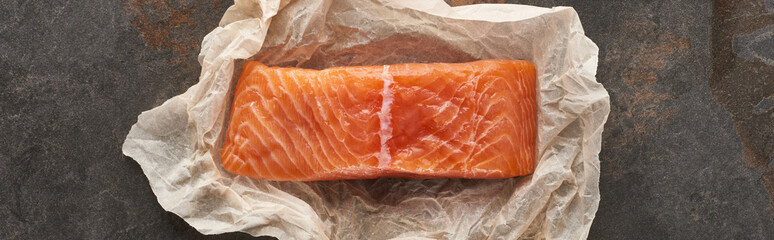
(686, 151)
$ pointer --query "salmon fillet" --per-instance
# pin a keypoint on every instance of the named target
(437, 120)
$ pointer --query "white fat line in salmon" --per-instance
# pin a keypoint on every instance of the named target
(385, 118)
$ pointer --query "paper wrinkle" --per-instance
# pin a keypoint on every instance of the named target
(178, 143)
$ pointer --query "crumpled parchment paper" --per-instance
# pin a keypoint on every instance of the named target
(178, 143)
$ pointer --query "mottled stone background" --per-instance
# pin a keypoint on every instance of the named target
(686, 151)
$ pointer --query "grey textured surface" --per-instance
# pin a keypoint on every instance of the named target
(685, 152)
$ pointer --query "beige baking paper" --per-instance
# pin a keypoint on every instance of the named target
(178, 143)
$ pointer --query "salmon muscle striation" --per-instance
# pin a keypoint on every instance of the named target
(415, 120)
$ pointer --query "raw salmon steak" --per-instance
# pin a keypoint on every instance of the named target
(437, 120)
